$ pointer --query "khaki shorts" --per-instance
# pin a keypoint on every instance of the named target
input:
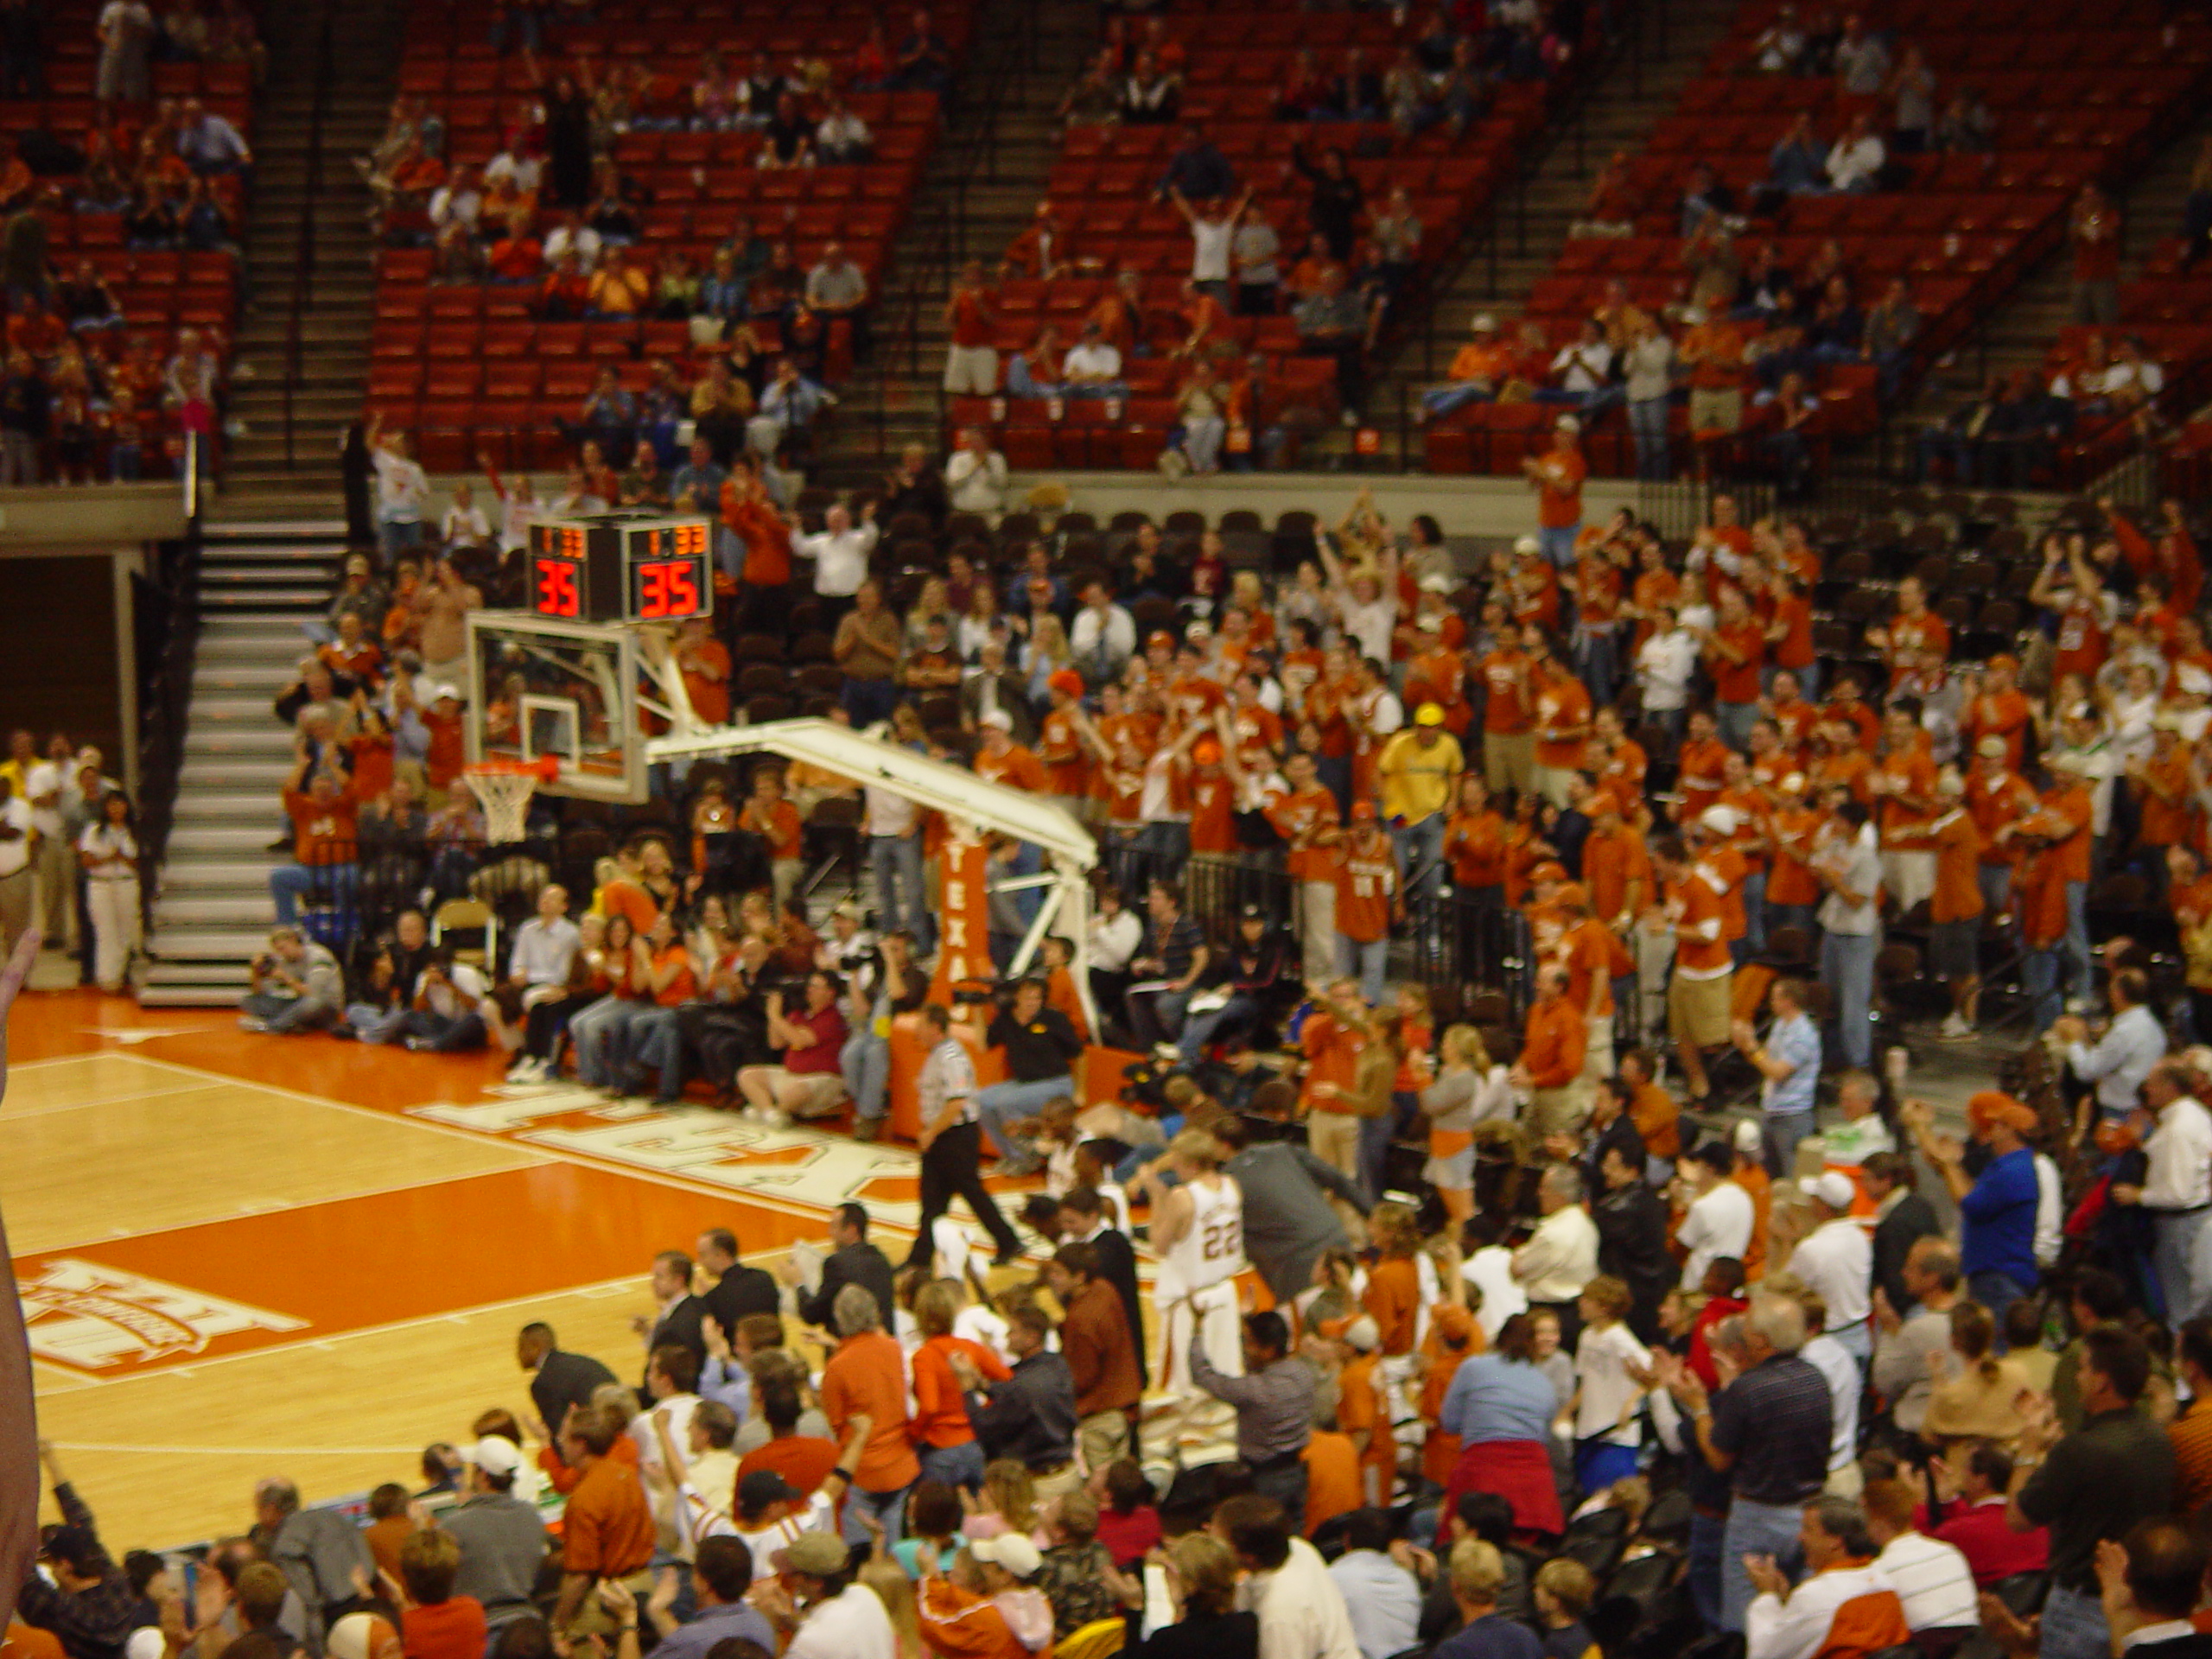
(807, 1094)
(1698, 1009)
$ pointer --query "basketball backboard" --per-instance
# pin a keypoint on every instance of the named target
(569, 690)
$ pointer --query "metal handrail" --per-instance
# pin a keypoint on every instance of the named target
(1005, 72)
(303, 264)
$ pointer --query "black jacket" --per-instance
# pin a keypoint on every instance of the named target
(738, 1293)
(565, 1380)
(851, 1264)
(92, 1624)
(1632, 1247)
(1912, 1218)
(682, 1326)
(1030, 1416)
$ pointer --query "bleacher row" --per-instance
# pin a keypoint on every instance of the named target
(2072, 104)
(465, 366)
(158, 291)
(1102, 190)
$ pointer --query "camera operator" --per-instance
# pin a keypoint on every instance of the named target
(1041, 1046)
(888, 985)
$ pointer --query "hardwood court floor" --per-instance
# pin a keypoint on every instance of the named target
(242, 1255)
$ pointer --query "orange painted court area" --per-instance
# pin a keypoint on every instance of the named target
(242, 1254)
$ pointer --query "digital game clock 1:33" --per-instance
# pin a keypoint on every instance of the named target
(614, 569)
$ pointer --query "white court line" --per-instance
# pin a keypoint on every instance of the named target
(326, 1340)
(9, 1115)
(242, 1451)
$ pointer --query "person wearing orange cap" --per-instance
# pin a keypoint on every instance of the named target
(1416, 776)
(1997, 1208)
(1061, 747)
(1369, 897)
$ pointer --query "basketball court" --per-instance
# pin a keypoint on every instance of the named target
(243, 1255)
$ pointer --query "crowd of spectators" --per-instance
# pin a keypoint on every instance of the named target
(91, 393)
(69, 856)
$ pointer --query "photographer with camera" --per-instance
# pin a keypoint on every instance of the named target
(297, 986)
(1041, 1045)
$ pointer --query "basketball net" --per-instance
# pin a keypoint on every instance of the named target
(503, 788)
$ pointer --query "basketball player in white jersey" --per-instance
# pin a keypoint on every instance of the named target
(1197, 1232)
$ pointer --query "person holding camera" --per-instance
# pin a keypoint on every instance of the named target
(297, 986)
(1040, 1045)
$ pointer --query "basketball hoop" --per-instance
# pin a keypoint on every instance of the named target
(505, 788)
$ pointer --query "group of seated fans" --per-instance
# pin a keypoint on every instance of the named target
(121, 213)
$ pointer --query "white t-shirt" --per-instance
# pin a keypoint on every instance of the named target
(1209, 250)
(466, 980)
(1665, 662)
(1099, 362)
(850, 1626)
(1718, 1224)
(467, 525)
(840, 559)
(45, 779)
(1609, 1393)
(15, 854)
(1489, 1270)
(401, 489)
(104, 839)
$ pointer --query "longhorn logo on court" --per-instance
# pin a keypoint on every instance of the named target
(95, 1319)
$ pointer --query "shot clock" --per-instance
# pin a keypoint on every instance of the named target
(612, 569)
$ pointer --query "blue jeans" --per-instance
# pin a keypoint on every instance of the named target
(1702, 1573)
(329, 884)
(1559, 545)
(1755, 912)
(286, 1015)
(1599, 1463)
(1199, 1028)
(869, 700)
(1785, 1130)
(865, 1061)
(1847, 969)
(1003, 1104)
(1597, 660)
(657, 1046)
(2040, 977)
(1420, 855)
(2173, 1245)
(601, 1034)
(901, 898)
(1166, 848)
(958, 1465)
(1996, 1291)
(1647, 422)
(372, 1024)
(2073, 1626)
(1375, 1135)
(1156, 1016)
(1755, 1530)
(1369, 959)
(1735, 720)
(888, 1508)
(2077, 940)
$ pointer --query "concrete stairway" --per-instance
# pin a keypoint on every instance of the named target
(2018, 332)
(1521, 236)
(258, 584)
(326, 103)
(987, 176)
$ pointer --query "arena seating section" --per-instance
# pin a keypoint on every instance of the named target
(159, 291)
(2169, 310)
(2073, 102)
(1102, 187)
(469, 365)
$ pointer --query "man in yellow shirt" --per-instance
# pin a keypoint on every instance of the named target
(1417, 777)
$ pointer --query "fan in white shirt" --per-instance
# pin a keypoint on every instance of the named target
(1931, 1578)
(1719, 1219)
(2176, 1187)
(1301, 1612)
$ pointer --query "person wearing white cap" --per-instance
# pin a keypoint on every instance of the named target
(1837, 1260)
(1478, 368)
(502, 1537)
(1556, 476)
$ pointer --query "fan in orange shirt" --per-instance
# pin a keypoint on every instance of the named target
(2165, 797)
(1914, 628)
(1552, 1048)
(1954, 907)
(1700, 767)
(1474, 842)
